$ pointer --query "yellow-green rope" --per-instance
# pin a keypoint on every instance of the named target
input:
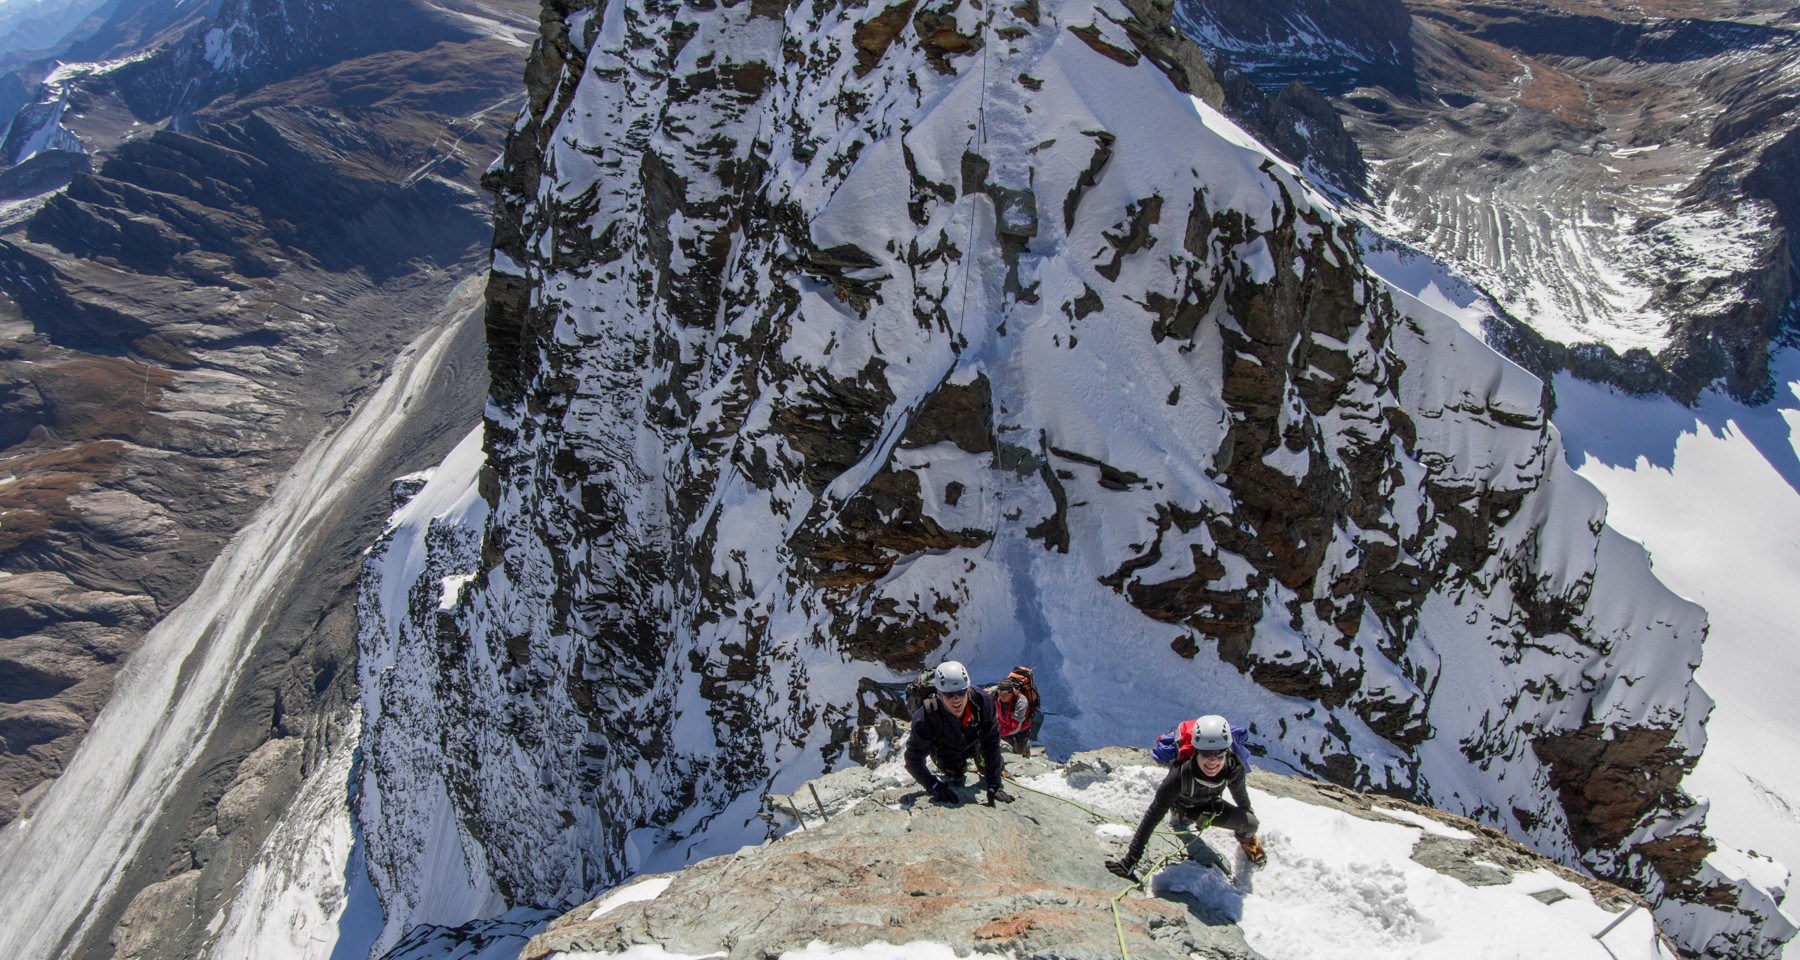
(1186, 847)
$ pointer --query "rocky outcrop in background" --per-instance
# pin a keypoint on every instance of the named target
(829, 342)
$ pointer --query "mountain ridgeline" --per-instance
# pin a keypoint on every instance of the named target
(827, 341)
(873, 862)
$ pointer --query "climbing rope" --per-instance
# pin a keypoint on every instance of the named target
(1119, 923)
(962, 310)
(1184, 848)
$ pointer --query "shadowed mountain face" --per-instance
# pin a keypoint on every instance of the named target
(1618, 176)
(223, 246)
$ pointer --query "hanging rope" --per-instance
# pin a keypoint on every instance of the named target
(962, 310)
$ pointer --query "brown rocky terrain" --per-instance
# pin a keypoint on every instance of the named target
(185, 306)
(1617, 175)
(188, 316)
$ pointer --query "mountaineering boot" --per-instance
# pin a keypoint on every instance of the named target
(1253, 849)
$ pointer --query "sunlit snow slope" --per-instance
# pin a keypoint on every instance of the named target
(1714, 493)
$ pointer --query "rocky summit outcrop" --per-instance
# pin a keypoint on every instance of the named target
(1617, 177)
(830, 341)
(878, 863)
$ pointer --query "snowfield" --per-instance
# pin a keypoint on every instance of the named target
(1713, 493)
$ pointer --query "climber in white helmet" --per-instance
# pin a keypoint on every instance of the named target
(954, 725)
(1206, 758)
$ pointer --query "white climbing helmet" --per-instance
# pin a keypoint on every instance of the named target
(1211, 732)
(951, 677)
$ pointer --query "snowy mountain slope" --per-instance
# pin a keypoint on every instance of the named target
(1710, 492)
(891, 875)
(1713, 492)
(181, 314)
(94, 849)
(829, 342)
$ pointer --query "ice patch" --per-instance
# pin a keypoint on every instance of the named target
(1430, 826)
(638, 892)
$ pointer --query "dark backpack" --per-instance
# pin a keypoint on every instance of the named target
(920, 692)
(1021, 681)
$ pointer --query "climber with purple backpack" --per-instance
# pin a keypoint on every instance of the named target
(1206, 758)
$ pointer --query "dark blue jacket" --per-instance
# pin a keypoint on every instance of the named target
(951, 739)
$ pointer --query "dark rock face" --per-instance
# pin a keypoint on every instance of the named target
(801, 380)
(1331, 48)
(1302, 126)
(1640, 151)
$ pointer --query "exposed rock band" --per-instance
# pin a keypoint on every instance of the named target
(958, 722)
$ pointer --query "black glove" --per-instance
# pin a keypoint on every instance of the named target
(943, 792)
(1000, 794)
(1122, 868)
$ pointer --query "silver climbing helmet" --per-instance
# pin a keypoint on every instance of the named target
(1211, 732)
(951, 677)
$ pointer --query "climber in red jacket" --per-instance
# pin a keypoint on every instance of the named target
(1016, 709)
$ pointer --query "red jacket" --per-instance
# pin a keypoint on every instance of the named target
(1013, 719)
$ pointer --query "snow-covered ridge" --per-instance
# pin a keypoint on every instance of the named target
(831, 342)
(894, 875)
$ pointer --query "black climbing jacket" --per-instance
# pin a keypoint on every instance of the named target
(952, 739)
(1186, 787)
